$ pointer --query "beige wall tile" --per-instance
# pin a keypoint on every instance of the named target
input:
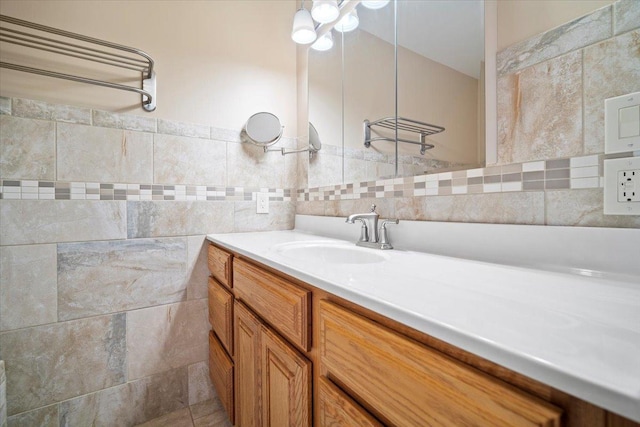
(197, 269)
(310, 208)
(183, 160)
(179, 418)
(24, 222)
(583, 208)
(280, 217)
(28, 292)
(87, 153)
(129, 404)
(249, 166)
(540, 111)
(200, 387)
(325, 169)
(107, 277)
(165, 337)
(495, 208)
(48, 364)
(124, 121)
(611, 68)
(158, 219)
(27, 148)
(183, 129)
(5, 105)
(42, 417)
(626, 15)
(45, 111)
(410, 208)
(578, 33)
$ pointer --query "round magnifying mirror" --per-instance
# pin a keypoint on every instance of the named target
(263, 129)
(314, 139)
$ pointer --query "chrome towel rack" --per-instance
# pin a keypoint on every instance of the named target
(403, 124)
(35, 36)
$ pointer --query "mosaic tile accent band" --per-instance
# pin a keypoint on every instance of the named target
(571, 173)
(58, 190)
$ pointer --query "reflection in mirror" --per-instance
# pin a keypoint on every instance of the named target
(440, 81)
(315, 144)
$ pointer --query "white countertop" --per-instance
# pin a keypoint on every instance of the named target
(578, 334)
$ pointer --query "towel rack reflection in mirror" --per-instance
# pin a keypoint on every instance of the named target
(35, 36)
(403, 124)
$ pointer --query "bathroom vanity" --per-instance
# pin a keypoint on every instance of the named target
(312, 330)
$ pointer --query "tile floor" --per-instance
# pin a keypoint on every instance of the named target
(204, 414)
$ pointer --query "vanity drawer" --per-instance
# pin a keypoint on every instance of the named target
(338, 409)
(221, 373)
(428, 388)
(281, 303)
(220, 265)
(221, 313)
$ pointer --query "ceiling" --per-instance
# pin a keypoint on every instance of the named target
(450, 32)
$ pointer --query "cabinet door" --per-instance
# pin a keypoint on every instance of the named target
(247, 358)
(221, 313)
(221, 373)
(407, 384)
(286, 383)
(337, 409)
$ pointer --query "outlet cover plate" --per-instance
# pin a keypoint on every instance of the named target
(262, 203)
(613, 179)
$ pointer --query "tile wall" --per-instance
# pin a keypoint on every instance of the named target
(103, 313)
(551, 92)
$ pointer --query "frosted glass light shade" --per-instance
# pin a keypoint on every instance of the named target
(374, 4)
(303, 31)
(325, 11)
(325, 42)
(348, 22)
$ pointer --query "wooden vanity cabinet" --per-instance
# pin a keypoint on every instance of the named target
(355, 367)
(264, 323)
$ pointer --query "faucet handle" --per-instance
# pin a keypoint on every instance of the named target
(384, 238)
(373, 208)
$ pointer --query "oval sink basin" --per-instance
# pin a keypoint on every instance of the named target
(329, 252)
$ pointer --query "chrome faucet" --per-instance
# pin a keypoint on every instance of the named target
(369, 231)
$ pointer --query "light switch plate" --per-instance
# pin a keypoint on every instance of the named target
(622, 123)
(621, 186)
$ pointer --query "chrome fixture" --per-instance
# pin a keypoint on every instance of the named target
(369, 230)
(60, 42)
(402, 124)
(314, 144)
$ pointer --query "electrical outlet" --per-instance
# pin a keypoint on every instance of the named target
(622, 186)
(262, 203)
(629, 186)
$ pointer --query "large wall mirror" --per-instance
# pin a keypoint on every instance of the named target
(420, 66)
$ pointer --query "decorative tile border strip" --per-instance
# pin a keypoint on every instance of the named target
(558, 174)
(59, 190)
